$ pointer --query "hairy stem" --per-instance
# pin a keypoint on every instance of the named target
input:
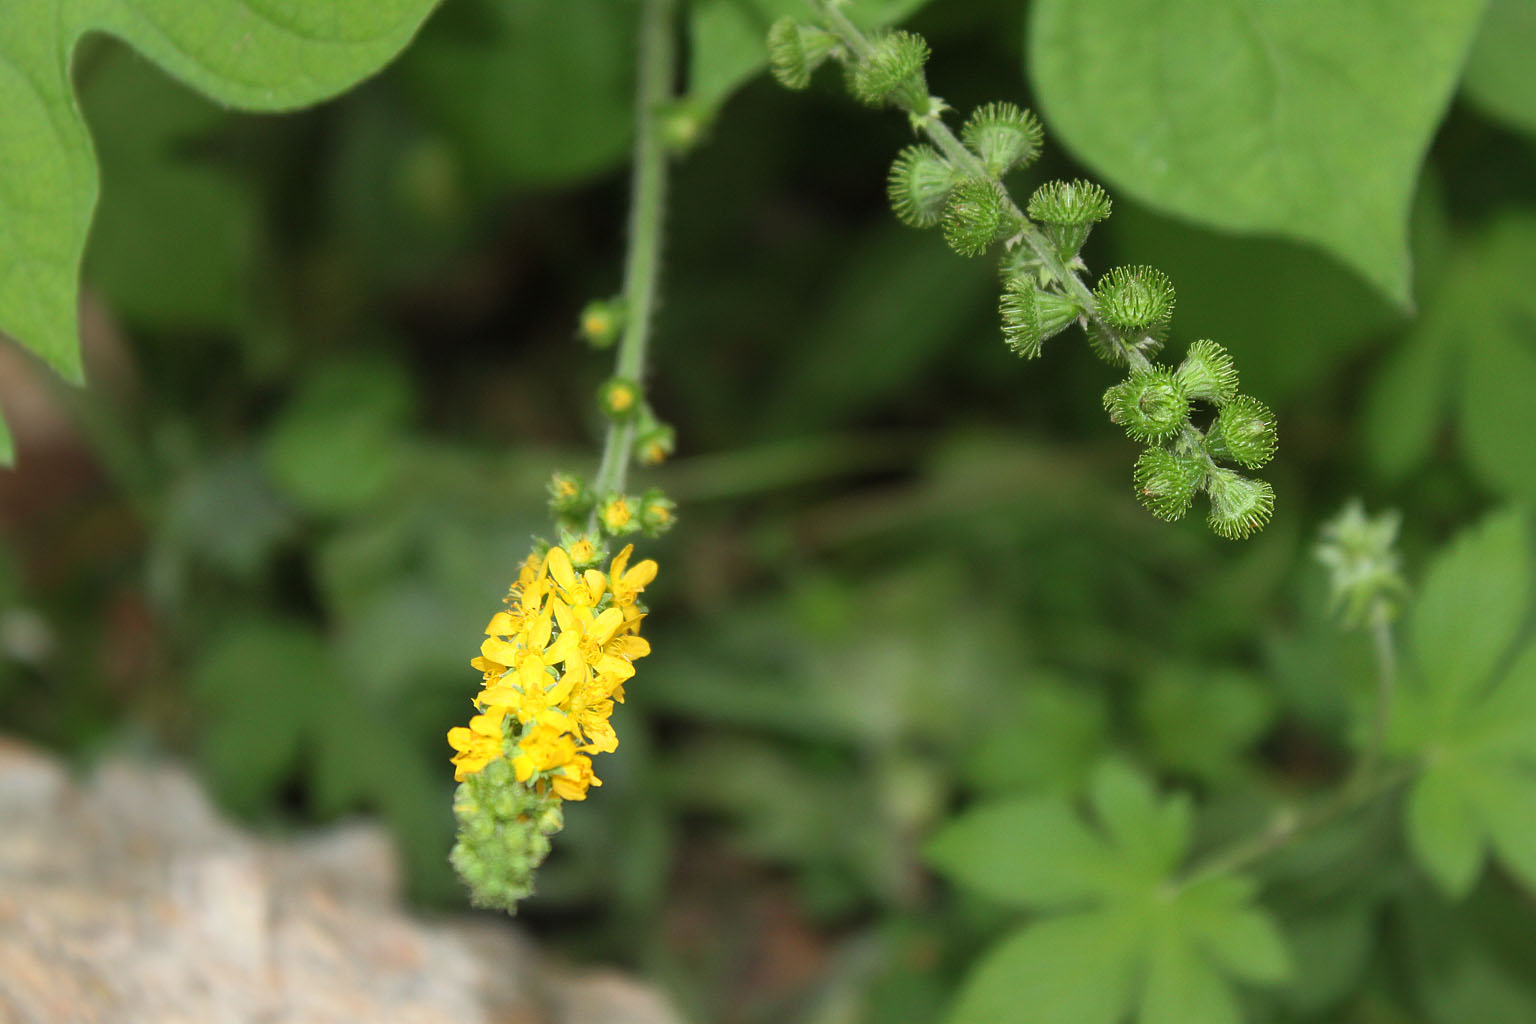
(932, 124)
(648, 197)
(1386, 689)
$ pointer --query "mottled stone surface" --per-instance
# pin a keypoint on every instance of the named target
(125, 899)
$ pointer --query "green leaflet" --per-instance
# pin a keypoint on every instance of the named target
(726, 38)
(1500, 79)
(1471, 354)
(1470, 721)
(254, 54)
(1307, 120)
(1126, 935)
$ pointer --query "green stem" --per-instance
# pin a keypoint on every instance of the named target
(1288, 826)
(1386, 690)
(648, 197)
(1030, 234)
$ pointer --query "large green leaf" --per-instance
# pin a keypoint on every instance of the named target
(255, 54)
(1306, 119)
(1472, 730)
(1127, 934)
(1471, 353)
(1501, 79)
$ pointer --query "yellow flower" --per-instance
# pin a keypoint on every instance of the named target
(627, 583)
(583, 591)
(573, 778)
(476, 746)
(541, 749)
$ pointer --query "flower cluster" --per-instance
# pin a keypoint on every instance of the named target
(553, 664)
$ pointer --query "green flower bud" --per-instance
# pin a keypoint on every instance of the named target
(1149, 404)
(1068, 210)
(1031, 314)
(1207, 373)
(619, 399)
(618, 514)
(654, 443)
(975, 216)
(795, 51)
(683, 123)
(1166, 482)
(1239, 505)
(1244, 432)
(1135, 298)
(502, 836)
(568, 496)
(892, 72)
(1004, 136)
(585, 548)
(1365, 572)
(658, 513)
(918, 185)
(602, 320)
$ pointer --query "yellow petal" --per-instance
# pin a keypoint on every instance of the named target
(559, 565)
(605, 625)
(619, 668)
(630, 647)
(564, 648)
(459, 738)
(641, 575)
(620, 561)
(497, 650)
(538, 632)
(501, 624)
(597, 583)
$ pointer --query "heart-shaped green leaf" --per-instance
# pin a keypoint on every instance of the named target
(1307, 119)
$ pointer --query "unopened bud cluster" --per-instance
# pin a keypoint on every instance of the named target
(957, 184)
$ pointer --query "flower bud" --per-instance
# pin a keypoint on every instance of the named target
(619, 398)
(795, 51)
(1149, 404)
(568, 496)
(892, 72)
(975, 216)
(602, 320)
(1031, 314)
(1004, 136)
(1068, 210)
(682, 124)
(658, 513)
(918, 185)
(1244, 432)
(617, 515)
(654, 444)
(1239, 505)
(1135, 298)
(1207, 373)
(586, 549)
(1166, 482)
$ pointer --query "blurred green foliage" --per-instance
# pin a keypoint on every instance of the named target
(333, 362)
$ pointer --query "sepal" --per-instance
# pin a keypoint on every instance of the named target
(1166, 482)
(1244, 432)
(1031, 314)
(976, 215)
(1003, 136)
(1207, 373)
(1149, 404)
(1135, 298)
(892, 72)
(1240, 505)
(919, 185)
(795, 51)
(1068, 210)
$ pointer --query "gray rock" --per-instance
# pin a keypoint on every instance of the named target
(125, 899)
